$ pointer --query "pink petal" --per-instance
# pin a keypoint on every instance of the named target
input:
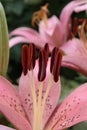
(73, 47)
(15, 118)
(26, 96)
(71, 111)
(75, 54)
(29, 34)
(17, 40)
(78, 63)
(70, 8)
(49, 28)
(81, 8)
(2, 127)
(10, 105)
(9, 96)
(52, 98)
(65, 16)
(52, 33)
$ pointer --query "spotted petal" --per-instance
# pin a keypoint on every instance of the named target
(10, 105)
(51, 101)
(71, 111)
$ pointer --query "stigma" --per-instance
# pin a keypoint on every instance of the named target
(40, 15)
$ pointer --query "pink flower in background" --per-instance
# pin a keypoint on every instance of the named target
(53, 31)
(34, 105)
(76, 53)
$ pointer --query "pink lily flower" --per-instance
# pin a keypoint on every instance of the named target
(76, 53)
(34, 105)
(53, 31)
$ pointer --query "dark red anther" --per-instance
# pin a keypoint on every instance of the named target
(53, 55)
(81, 20)
(24, 59)
(75, 26)
(56, 58)
(42, 66)
(46, 51)
(31, 56)
(57, 65)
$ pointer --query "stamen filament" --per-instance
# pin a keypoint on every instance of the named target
(33, 91)
(40, 106)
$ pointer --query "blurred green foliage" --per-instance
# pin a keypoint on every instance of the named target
(19, 12)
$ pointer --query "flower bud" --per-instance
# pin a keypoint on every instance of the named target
(4, 46)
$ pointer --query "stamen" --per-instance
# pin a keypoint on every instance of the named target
(56, 58)
(75, 26)
(31, 56)
(57, 65)
(53, 54)
(46, 50)
(42, 66)
(24, 59)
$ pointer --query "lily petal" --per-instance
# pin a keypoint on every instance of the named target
(10, 105)
(9, 96)
(75, 54)
(71, 111)
(2, 127)
(74, 47)
(77, 63)
(16, 40)
(65, 16)
(26, 96)
(82, 8)
(52, 34)
(29, 35)
(15, 118)
(70, 8)
(24, 88)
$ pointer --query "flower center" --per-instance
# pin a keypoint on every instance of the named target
(40, 15)
(28, 63)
